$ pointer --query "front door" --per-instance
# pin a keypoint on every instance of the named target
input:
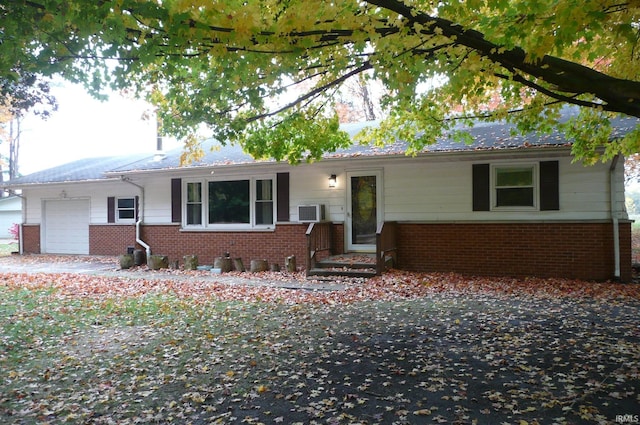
(364, 210)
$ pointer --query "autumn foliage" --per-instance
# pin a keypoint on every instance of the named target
(179, 346)
(395, 285)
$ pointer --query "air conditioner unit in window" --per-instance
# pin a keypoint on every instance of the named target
(311, 213)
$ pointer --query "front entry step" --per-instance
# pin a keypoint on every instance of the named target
(349, 265)
(342, 272)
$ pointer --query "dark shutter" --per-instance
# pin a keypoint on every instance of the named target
(549, 186)
(481, 188)
(282, 185)
(176, 200)
(136, 206)
(111, 209)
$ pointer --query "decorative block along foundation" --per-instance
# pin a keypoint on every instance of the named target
(581, 250)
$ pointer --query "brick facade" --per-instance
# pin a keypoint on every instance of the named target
(273, 246)
(573, 250)
(111, 239)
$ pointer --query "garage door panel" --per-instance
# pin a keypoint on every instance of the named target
(66, 227)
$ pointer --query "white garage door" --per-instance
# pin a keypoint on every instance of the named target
(66, 227)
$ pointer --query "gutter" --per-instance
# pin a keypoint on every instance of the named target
(139, 241)
(614, 217)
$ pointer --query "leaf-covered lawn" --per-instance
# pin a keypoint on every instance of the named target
(6, 248)
(404, 348)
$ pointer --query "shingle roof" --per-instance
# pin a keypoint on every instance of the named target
(82, 170)
(486, 136)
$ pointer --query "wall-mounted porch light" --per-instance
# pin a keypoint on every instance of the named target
(333, 180)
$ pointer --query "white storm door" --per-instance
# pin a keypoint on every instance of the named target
(66, 227)
(364, 209)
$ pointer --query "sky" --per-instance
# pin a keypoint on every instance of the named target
(84, 127)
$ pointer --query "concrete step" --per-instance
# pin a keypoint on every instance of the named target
(342, 271)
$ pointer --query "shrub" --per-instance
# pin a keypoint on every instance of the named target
(15, 231)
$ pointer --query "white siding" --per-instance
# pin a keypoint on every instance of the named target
(310, 185)
(97, 192)
(418, 190)
(415, 189)
(157, 200)
(424, 192)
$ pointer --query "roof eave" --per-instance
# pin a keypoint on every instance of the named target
(450, 154)
(35, 184)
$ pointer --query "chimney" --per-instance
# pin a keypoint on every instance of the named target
(158, 133)
(159, 155)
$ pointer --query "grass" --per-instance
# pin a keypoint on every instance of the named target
(160, 358)
(8, 248)
(58, 355)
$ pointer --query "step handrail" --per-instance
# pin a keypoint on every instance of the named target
(386, 245)
(318, 240)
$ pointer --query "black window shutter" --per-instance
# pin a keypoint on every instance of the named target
(136, 206)
(111, 209)
(176, 200)
(282, 184)
(549, 186)
(481, 188)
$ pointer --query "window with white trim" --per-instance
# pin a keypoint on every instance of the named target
(514, 186)
(194, 204)
(230, 204)
(125, 210)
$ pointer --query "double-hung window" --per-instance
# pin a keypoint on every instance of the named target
(515, 186)
(230, 204)
(194, 204)
(125, 210)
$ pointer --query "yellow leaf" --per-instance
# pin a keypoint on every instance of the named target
(422, 412)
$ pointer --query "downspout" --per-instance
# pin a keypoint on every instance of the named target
(139, 241)
(614, 217)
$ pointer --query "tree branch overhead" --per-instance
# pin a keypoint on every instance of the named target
(221, 63)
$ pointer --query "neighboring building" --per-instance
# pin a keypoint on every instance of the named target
(10, 214)
(504, 205)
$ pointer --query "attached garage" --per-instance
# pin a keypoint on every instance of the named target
(66, 226)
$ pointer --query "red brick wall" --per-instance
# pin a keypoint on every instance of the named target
(31, 239)
(337, 238)
(111, 239)
(273, 246)
(574, 250)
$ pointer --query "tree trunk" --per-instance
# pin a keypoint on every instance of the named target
(222, 263)
(190, 262)
(139, 257)
(238, 265)
(126, 261)
(157, 262)
(259, 266)
(290, 264)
